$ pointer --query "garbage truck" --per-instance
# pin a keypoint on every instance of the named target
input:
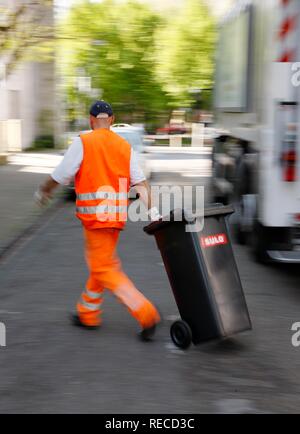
(256, 155)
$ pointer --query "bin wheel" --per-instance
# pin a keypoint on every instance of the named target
(181, 334)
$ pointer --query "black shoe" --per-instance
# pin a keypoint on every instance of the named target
(75, 320)
(146, 335)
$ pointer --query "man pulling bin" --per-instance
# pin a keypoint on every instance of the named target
(104, 167)
(206, 284)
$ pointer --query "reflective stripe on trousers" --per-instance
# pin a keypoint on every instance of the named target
(92, 295)
(90, 306)
(91, 300)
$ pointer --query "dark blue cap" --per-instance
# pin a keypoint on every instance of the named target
(101, 108)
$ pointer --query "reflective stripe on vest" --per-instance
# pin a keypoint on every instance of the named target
(102, 195)
(101, 209)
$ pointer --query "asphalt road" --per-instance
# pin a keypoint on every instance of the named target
(49, 366)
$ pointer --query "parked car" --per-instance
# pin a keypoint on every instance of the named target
(135, 136)
(172, 129)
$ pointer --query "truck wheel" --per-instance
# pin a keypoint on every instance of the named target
(240, 235)
(259, 244)
(181, 334)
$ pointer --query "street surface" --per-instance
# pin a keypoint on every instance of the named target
(50, 366)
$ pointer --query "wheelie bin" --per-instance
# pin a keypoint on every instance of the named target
(203, 275)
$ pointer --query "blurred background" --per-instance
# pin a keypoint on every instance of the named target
(153, 61)
(207, 92)
(62, 55)
(202, 89)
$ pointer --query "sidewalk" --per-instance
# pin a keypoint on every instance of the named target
(19, 180)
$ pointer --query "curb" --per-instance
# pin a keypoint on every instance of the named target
(31, 229)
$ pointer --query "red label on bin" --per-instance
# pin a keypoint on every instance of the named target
(214, 240)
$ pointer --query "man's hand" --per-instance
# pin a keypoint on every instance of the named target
(154, 215)
(144, 191)
(45, 193)
(41, 199)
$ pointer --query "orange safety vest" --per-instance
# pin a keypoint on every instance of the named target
(103, 181)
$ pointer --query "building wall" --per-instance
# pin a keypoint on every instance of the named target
(26, 99)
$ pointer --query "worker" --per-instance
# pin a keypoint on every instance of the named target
(105, 167)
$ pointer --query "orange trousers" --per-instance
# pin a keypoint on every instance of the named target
(106, 273)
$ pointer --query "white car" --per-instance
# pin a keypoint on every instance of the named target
(134, 136)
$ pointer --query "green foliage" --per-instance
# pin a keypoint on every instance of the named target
(43, 142)
(186, 48)
(144, 63)
(26, 31)
(115, 45)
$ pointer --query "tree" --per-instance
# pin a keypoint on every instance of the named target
(114, 44)
(185, 52)
(24, 29)
(143, 62)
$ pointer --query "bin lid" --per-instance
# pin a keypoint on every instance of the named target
(179, 215)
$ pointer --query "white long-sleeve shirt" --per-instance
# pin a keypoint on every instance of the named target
(68, 168)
